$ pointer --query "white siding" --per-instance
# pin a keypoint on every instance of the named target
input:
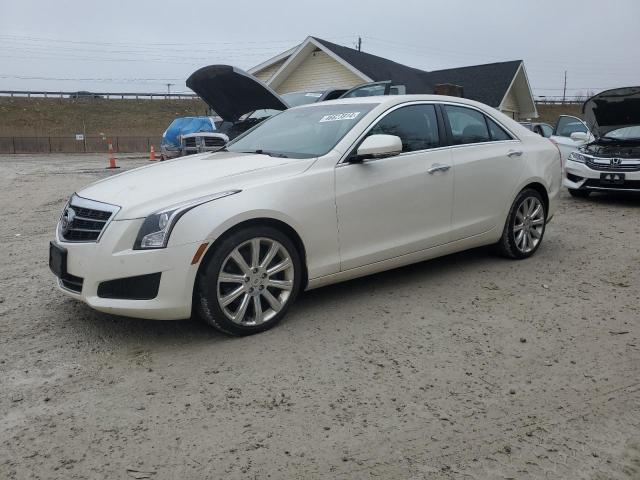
(266, 73)
(510, 104)
(317, 72)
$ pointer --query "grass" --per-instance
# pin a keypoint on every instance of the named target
(115, 117)
(64, 117)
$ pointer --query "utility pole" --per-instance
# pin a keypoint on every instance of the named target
(359, 44)
(564, 90)
(169, 88)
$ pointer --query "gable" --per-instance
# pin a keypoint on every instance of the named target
(318, 71)
(266, 73)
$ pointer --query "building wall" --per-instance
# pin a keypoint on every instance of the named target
(317, 72)
(510, 106)
(266, 73)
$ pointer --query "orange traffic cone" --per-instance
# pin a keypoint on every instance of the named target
(112, 159)
(152, 155)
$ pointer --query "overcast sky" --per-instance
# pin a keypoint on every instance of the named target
(140, 45)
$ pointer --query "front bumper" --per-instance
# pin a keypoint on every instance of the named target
(113, 258)
(578, 176)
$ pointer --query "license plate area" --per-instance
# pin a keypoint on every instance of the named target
(612, 178)
(57, 260)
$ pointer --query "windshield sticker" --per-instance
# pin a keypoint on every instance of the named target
(312, 94)
(339, 116)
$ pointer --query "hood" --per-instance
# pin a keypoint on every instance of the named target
(232, 92)
(612, 109)
(144, 190)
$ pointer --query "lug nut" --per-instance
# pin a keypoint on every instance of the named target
(264, 275)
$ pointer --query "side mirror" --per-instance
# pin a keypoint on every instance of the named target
(379, 146)
(580, 136)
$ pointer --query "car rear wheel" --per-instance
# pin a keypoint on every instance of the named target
(525, 226)
(250, 281)
(579, 193)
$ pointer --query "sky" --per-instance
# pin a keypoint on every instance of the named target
(141, 45)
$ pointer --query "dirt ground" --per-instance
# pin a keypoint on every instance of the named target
(469, 366)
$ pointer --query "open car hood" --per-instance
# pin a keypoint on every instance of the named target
(612, 109)
(232, 92)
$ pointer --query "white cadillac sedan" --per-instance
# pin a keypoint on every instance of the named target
(314, 195)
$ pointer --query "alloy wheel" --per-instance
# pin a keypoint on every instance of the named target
(255, 281)
(528, 224)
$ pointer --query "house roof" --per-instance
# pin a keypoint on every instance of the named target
(485, 83)
(488, 83)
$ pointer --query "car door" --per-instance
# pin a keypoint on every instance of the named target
(397, 205)
(565, 126)
(487, 161)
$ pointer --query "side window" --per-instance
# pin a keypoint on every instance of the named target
(568, 125)
(416, 125)
(467, 125)
(498, 133)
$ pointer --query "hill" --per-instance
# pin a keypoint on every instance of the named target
(64, 117)
(44, 117)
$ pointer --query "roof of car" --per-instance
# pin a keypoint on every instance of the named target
(390, 100)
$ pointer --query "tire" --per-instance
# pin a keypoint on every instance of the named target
(231, 306)
(525, 226)
(579, 193)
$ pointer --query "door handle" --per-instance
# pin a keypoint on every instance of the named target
(514, 153)
(438, 167)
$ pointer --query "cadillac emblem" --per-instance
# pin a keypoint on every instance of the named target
(66, 222)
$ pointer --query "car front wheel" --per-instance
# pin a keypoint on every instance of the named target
(250, 281)
(525, 225)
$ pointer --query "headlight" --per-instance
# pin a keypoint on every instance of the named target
(157, 227)
(577, 157)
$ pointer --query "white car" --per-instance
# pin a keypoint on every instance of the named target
(610, 162)
(569, 134)
(314, 195)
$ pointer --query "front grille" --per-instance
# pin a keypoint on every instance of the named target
(599, 185)
(84, 220)
(605, 165)
(190, 142)
(213, 142)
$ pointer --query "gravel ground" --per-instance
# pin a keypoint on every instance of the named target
(469, 366)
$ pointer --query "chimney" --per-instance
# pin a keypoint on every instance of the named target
(448, 89)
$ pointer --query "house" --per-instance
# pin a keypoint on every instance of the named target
(317, 64)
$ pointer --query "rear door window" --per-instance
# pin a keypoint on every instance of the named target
(467, 125)
(498, 133)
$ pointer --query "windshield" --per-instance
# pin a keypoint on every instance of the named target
(301, 98)
(303, 132)
(625, 133)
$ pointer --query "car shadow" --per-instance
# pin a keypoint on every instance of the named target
(622, 199)
(125, 330)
